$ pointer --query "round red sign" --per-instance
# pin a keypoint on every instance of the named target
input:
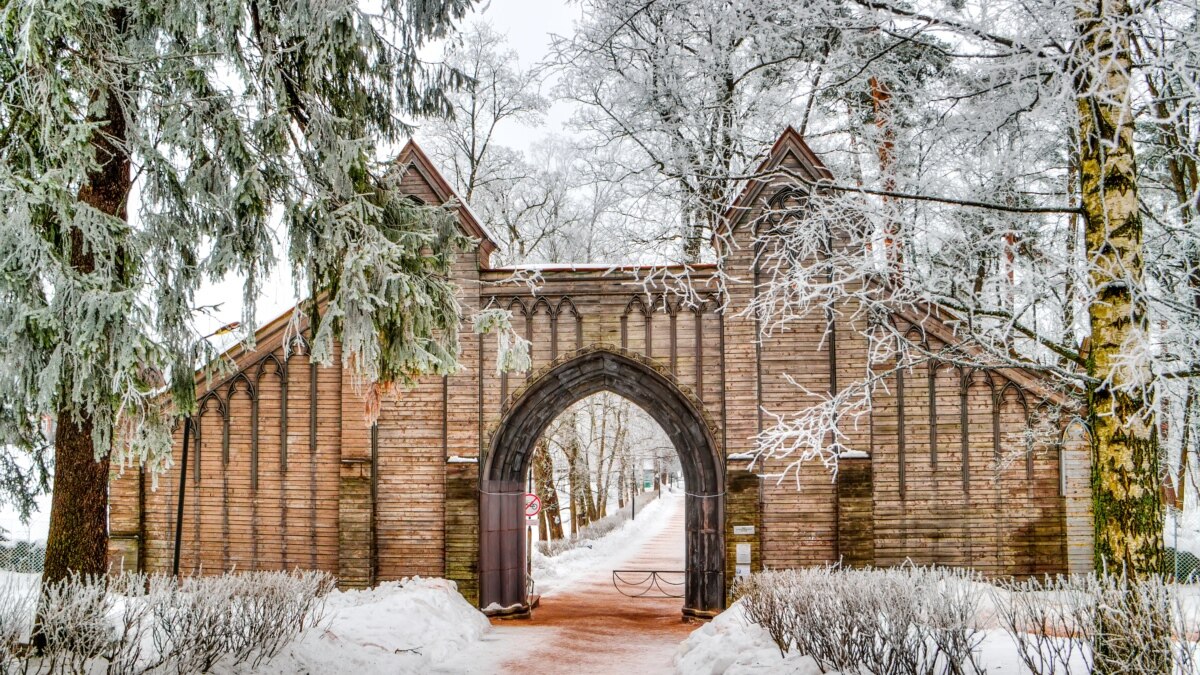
(533, 505)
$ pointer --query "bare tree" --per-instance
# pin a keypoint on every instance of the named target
(685, 90)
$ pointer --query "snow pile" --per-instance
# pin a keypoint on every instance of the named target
(555, 572)
(404, 626)
(731, 645)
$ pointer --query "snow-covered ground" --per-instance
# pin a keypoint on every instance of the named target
(732, 645)
(398, 627)
(552, 574)
(423, 625)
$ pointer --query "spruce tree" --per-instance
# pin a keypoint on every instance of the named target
(148, 147)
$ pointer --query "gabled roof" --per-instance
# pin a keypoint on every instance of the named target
(414, 159)
(789, 145)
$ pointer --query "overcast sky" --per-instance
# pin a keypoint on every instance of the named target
(529, 25)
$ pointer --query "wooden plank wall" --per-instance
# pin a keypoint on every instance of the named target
(958, 477)
(262, 486)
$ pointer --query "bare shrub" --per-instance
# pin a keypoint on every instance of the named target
(902, 621)
(767, 600)
(17, 603)
(132, 624)
(1103, 623)
(129, 614)
(73, 621)
(244, 618)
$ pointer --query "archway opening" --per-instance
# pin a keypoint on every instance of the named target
(609, 487)
(506, 467)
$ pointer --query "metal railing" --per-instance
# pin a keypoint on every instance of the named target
(1179, 563)
(650, 583)
(23, 557)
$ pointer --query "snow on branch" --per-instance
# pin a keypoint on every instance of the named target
(815, 434)
(512, 350)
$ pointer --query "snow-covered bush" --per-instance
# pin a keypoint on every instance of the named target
(245, 618)
(134, 624)
(17, 596)
(1144, 626)
(85, 620)
(905, 620)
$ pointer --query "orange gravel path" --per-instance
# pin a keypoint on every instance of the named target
(590, 627)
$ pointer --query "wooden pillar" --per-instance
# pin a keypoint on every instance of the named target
(125, 521)
(743, 526)
(855, 512)
(355, 529)
(704, 518)
(462, 528)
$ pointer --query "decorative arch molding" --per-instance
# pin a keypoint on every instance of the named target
(638, 306)
(652, 364)
(567, 306)
(532, 407)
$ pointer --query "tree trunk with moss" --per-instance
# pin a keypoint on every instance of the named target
(1125, 461)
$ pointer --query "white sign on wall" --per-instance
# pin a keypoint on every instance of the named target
(743, 554)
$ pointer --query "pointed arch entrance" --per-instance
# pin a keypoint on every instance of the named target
(502, 551)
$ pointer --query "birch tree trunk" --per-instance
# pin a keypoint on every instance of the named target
(1125, 461)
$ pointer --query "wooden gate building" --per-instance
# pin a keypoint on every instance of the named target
(285, 472)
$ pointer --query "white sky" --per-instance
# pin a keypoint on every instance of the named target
(529, 25)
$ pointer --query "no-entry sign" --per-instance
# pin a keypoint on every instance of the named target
(533, 505)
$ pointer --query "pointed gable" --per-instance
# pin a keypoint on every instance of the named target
(421, 180)
(789, 152)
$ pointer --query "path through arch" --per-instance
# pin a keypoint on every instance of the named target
(502, 550)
